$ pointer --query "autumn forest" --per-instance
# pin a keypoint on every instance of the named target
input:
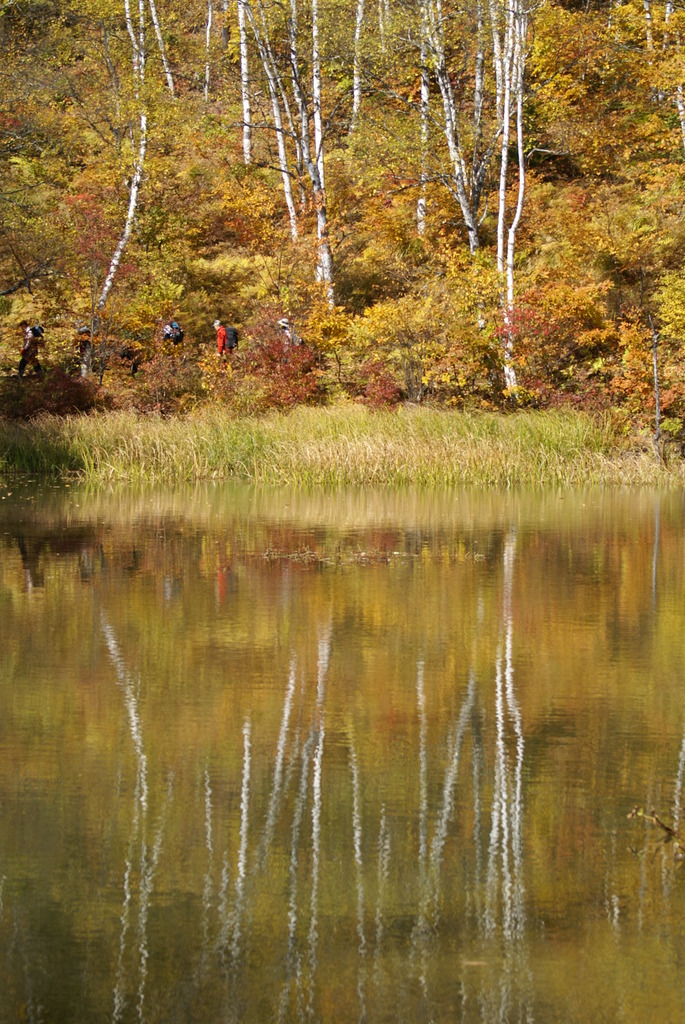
(477, 205)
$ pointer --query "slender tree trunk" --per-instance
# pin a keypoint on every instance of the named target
(325, 267)
(466, 192)
(648, 25)
(425, 112)
(270, 71)
(356, 71)
(138, 62)
(509, 371)
(316, 93)
(225, 27)
(208, 38)
(513, 75)
(162, 48)
(679, 97)
(381, 24)
(245, 84)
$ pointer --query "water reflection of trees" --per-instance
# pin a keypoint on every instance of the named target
(280, 859)
(331, 858)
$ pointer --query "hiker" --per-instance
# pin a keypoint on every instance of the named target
(226, 338)
(33, 340)
(287, 331)
(173, 332)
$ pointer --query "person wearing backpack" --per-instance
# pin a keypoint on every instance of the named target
(33, 341)
(226, 338)
(173, 332)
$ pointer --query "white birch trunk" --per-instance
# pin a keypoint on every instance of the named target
(460, 186)
(509, 371)
(648, 25)
(316, 93)
(130, 215)
(225, 30)
(325, 265)
(138, 63)
(513, 73)
(298, 136)
(134, 42)
(162, 49)
(425, 111)
(245, 84)
(208, 38)
(679, 97)
(507, 60)
(356, 70)
(269, 67)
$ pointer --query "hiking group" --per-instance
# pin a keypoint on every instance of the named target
(33, 338)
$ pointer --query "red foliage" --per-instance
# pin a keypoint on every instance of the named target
(53, 391)
(376, 387)
(288, 374)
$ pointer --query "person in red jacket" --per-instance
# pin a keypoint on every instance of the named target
(226, 338)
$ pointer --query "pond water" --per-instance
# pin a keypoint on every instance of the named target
(270, 755)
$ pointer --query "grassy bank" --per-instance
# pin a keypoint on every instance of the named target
(334, 446)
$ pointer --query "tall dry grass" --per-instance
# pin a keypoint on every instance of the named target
(342, 445)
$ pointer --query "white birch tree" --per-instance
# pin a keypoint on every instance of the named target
(356, 65)
(679, 93)
(162, 48)
(208, 39)
(245, 84)
(467, 175)
(139, 147)
(425, 125)
(298, 116)
(513, 53)
(260, 29)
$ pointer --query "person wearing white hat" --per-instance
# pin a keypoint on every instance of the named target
(285, 327)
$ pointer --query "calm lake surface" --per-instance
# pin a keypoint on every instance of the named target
(269, 755)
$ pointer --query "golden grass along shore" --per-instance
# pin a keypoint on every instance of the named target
(340, 445)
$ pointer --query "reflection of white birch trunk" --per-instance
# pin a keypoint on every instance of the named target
(245, 84)
(677, 796)
(242, 850)
(138, 61)
(274, 800)
(359, 878)
(357, 842)
(324, 654)
(148, 860)
(207, 891)
(504, 885)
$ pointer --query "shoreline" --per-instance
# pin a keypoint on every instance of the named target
(334, 446)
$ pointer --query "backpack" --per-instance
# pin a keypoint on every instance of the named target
(174, 332)
(231, 337)
(37, 332)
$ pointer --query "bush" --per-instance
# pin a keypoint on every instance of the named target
(54, 391)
